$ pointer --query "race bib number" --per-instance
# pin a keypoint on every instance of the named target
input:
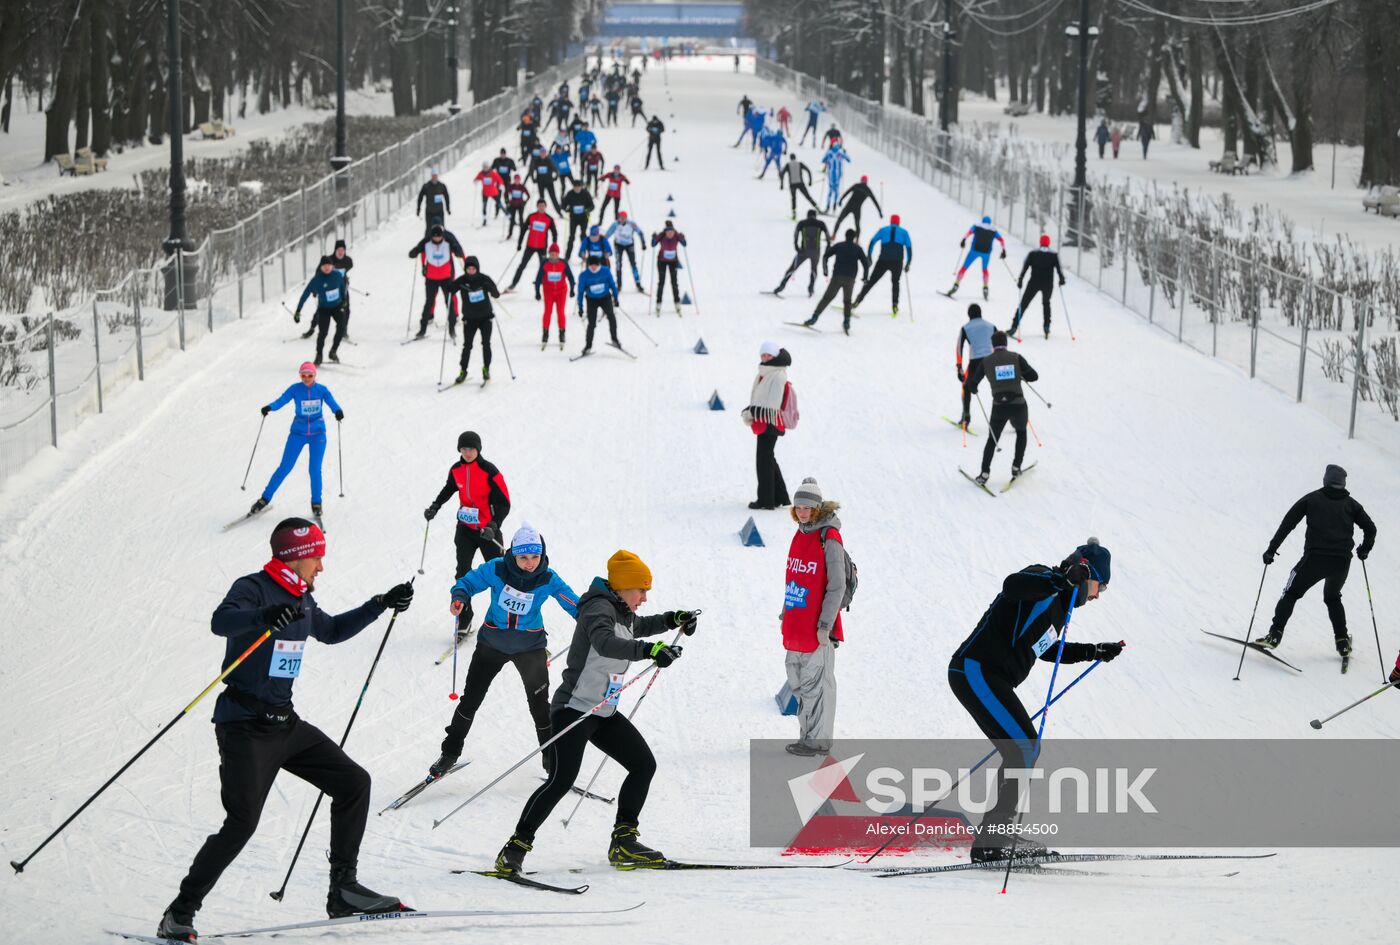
(615, 681)
(437, 198)
(578, 209)
(286, 659)
(668, 254)
(1006, 372)
(332, 295)
(311, 408)
(554, 276)
(469, 515)
(541, 170)
(613, 188)
(794, 596)
(476, 295)
(1044, 643)
(537, 226)
(516, 602)
(597, 289)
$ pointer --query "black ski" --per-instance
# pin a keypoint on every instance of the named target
(418, 788)
(520, 880)
(804, 325)
(244, 518)
(613, 344)
(949, 293)
(973, 479)
(588, 794)
(1254, 646)
(1050, 859)
(409, 341)
(678, 865)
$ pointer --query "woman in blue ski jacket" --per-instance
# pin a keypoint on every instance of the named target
(308, 431)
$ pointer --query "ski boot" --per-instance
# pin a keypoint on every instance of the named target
(1270, 640)
(629, 853)
(258, 506)
(316, 509)
(422, 332)
(461, 376)
(778, 292)
(347, 897)
(306, 334)
(177, 927)
(1344, 651)
(511, 860)
(985, 293)
(444, 763)
(544, 339)
(803, 750)
(1015, 472)
(561, 339)
(640, 287)
(485, 372)
(846, 325)
(811, 291)
(954, 290)
(317, 360)
(810, 323)
(1024, 851)
(335, 358)
(894, 311)
(982, 478)
(965, 421)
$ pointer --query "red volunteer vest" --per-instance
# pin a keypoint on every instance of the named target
(805, 591)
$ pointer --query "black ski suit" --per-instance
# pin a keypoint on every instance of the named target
(855, 196)
(439, 203)
(577, 207)
(655, 129)
(1004, 371)
(808, 237)
(850, 258)
(477, 291)
(1332, 516)
(1043, 264)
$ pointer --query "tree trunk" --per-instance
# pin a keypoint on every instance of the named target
(61, 106)
(1196, 67)
(100, 75)
(82, 111)
(1380, 159)
(1147, 106)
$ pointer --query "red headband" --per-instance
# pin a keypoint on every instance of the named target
(293, 544)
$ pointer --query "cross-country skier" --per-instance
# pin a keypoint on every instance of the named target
(308, 431)
(517, 196)
(655, 129)
(613, 182)
(550, 283)
(606, 639)
(260, 733)
(544, 172)
(491, 185)
(529, 135)
(784, 118)
(814, 588)
(596, 244)
(330, 288)
(982, 236)
(577, 206)
(976, 333)
(521, 583)
(434, 192)
(340, 259)
(814, 111)
(484, 504)
(773, 153)
(667, 244)
(1004, 371)
(1333, 517)
(438, 250)
(598, 290)
(592, 168)
(503, 165)
(834, 161)
(559, 157)
(896, 253)
(1024, 623)
(612, 97)
(808, 238)
(745, 106)
(753, 127)
(831, 138)
(638, 111)
(625, 234)
(798, 177)
(1044, 264)
(856, 195)
(539, 233)
(477, 290)
(850, 261)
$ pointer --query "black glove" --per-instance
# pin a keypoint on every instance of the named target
(429, 512)
(1269, 557)
(1003, 254)
(686, 620)
(1395, 675)
(1075, 575)
(339, 415)
(492, 533)
(1362, 554)
(962, 244)
(279, 616)
(962, 377)
(1107, 651)
(266, 410)
(664, 655)
(396, 598)
(1062, 281)
(296, 316)
(537, 295)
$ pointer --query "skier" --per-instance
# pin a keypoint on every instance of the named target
(540, 232)
(856, 195)
(745, 106)
(596, 244)
(503, 165)
(477, 289)
(329, 287)
(807, 239)
(1116, 140)
(550, 283)
(598, 289)
(491, 184)
(637, 110)
(784, 118)
(341, 260)
(1043, 264)
(543, 172)
(1026, 621)
(437, 250)
(849, 257)
(976, 333)
(833, 161)
(814, 589)
(529, 135)
(560, 156)
(606, 639)
(308, 431)
(667, 244)
(612, 97)
(485, 503)
(439, 201)
(982, 236)
(896, 253)
(559, 110)
(814, 111)
(521, 583)
(592, 168)
(655, 129)
(753, 126)
(1004, 372)
(767, 415)
(517, 196)
(625, 234)
(773, 152)
(798, 177)
(831, 138)
(260, 733)
(1332, 516)
(577, 205)
(613, 193)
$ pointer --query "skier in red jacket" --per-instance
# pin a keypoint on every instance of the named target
(613, 182)
(491, 186)
(554, 282)
(540, 231)
(438, 250)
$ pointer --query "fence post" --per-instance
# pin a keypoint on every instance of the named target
(180, 291)
(1125, 249)
(305, 273)
(1254, 322)
(97, 353)
(140, 347)
(1356, 375)
(1214, 301)
(1180, 288)
(209, 303)
(1059, 214)
(53, 390)
(1303, 341)
(262, 259)
(1151, 275)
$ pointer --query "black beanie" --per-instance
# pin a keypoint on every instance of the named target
(974, 311)
(327, 261)
(469, 440)
(471, 263)
(340, 244)
(436, 230)
(1334, 476)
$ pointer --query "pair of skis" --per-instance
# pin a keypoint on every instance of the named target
(588, 351)
(665, 865)
(1039, 863)
(1006, 488)
(1260, 648)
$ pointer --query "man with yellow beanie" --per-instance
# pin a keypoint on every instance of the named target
(605, 642)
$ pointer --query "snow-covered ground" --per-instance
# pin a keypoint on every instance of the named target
(112, 561)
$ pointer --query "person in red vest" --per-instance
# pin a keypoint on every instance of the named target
(814, 589)
(485, 503)
(491, 186)
(555, 282)
(613, 182)
(540, 232)
(437, 250)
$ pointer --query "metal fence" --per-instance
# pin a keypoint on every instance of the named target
(58, 368)
(1301, 334)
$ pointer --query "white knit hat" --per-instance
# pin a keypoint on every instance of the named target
(769, 348)
(808, 494)
(526, 541)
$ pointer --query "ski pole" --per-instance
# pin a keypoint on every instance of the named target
(442, 358)
(1318, 723)
(909, 290)
(638, 327)
(505, 348)
(988, 420)
(340, 456)
(244, 487)
(630, 715)
(1244, 647)
(456, 644)
(1377, 630)
(985, 758)
(19, 866)
(1035, 434)
(558, 735)
(690, 276)
(506, 269)
(1037, 393)
(348, 725)
(360, 292)
(412, 287)
(424, 558)
(1068, 324)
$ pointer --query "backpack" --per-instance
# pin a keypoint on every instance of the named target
(852, 572)
(787, 414)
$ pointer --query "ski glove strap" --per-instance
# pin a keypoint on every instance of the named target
(279, 616)
(663, 654)
(686, 620)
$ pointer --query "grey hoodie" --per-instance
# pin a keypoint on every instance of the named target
(602, 648)
(835, 566)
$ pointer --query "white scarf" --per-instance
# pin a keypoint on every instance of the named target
(766, 398)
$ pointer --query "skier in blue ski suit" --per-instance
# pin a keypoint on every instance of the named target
(753, 125)
(596, 244)
(308, 430)
(814, 111)
(332, 302)
(773, 152)
(982, 236)
(833, 161)
(598, 289)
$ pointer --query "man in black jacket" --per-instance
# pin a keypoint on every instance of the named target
(439, 203)
(849, 258)
(260, 733)
(577, 206)
(1333, 516)
(854, 197)
(655, 129)
(1004, 371)
(1044, 265)
(807, 239)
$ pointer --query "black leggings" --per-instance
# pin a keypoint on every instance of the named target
(468, 541)
(662, 266)
(1311, 568)
(654, 144)
(617, 738)
(470, 327)
(615, 200)
(431, 287)
(606, 305)
(530, 251)
(322, 323)
(578, 223)
(801, 189)
(987, 698)
(1045, 288)
(895, 268)
(533, 666)
(1018, 416)
(772, 490)
(797, 262)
